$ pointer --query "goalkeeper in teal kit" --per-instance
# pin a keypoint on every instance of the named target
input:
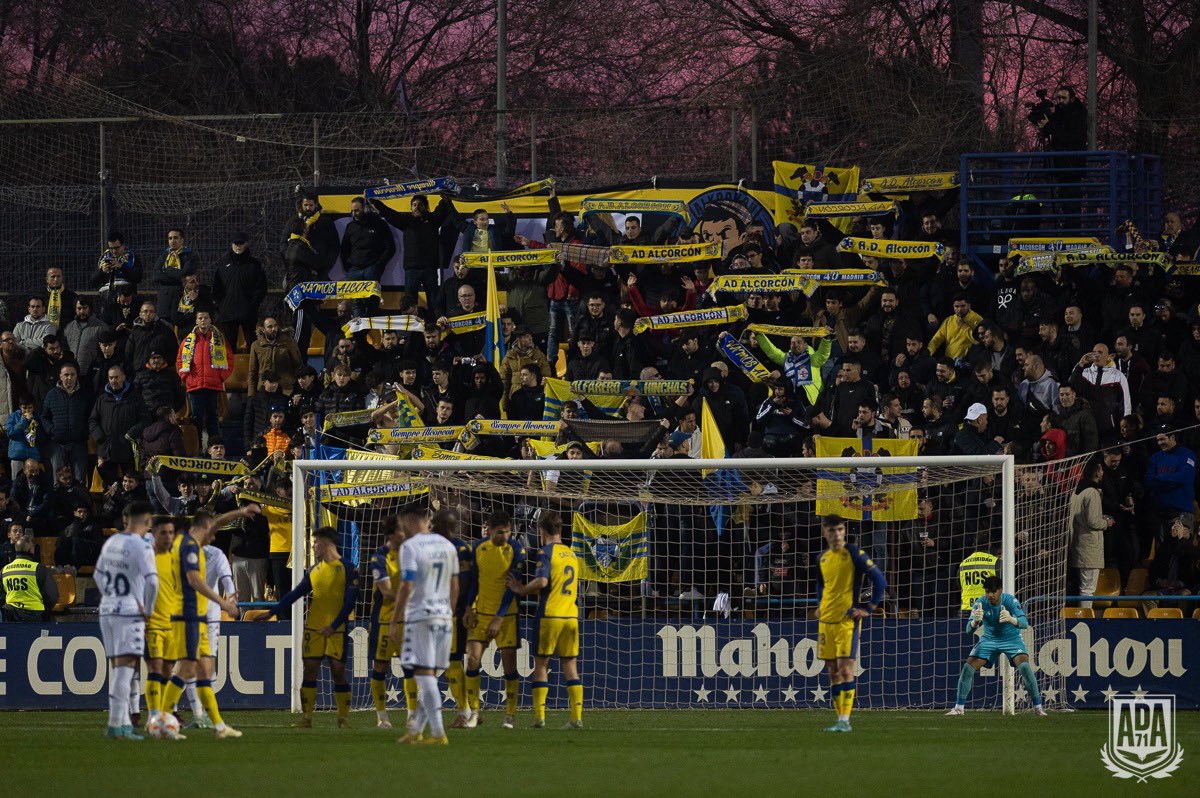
(1002, 619)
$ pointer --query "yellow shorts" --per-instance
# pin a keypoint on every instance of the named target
(558, 637)
(188, 640)
(506, 638)
(317, 646)
(838, 640)
(382, 644)
(157, 642)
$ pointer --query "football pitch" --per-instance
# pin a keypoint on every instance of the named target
(694, 753)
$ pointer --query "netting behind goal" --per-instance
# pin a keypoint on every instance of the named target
(700, 585)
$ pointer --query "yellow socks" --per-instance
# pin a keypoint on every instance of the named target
(847, 698)
(458, 689)
(472, 681)
(379, 690)
(308, 698)
(411, 692)
(208, 699)
(170, 694)
(341, 694)
(575, 698)
(512, 686)
(540, 691)
(155, 683)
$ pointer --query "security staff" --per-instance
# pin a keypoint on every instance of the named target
(971, 572)
(27, 586)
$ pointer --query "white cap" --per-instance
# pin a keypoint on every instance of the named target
(975, 411)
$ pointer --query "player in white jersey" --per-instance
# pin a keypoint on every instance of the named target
(219, 576)
(425, 600)
(128, 582)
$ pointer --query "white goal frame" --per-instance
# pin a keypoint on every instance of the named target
(1005, 463)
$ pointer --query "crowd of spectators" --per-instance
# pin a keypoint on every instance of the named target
(962, 357)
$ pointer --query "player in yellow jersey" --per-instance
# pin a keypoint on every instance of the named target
(158, 628)
(189, 644)
(558, 619)
(334, 587)
(839, 580)
(385, 574)
(446, 523)
(492, 614)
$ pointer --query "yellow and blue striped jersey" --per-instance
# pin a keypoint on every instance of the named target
(187, 555)
(334, 588)
(492, 565)
(560, 568)
(385, 564)
(839, 580)
(169, 600)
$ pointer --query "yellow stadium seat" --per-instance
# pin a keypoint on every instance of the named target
(85, 570)
(66, 591)
(1120, 612)
(1172, 613)
(46, 546)
(1109, 584)
(226, 616)
(1078, 612)
(191, 439)
(316, 344)
(251, 615)
(110, 531)
(1196, 614)
(241, 371)
(1138, 579)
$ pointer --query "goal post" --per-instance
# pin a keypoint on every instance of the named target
(700, 588)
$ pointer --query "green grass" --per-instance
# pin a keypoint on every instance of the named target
(695, 753)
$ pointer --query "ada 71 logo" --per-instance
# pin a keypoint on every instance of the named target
(1141, 737)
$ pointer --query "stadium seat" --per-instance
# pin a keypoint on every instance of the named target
(1196, 614)
(191, 439)
(226, 616)
(316, 344)
(46, 546)
(110, 531)
(251, 615)
(66, 591)
(1109, 584)
(1120, 612)
(241, 370)
(1172, 613)
(1138, 579)
(85, 570)
(560, 364)
(1078, 612)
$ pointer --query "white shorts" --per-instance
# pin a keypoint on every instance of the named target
(427, 643)
(123, 635)
(214, 637)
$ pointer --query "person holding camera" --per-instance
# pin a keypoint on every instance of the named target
(1064, 124)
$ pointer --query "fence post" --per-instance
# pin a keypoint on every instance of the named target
(316, 143)
(533, 146)
(754, 142)
(103, 177)
(733, 152)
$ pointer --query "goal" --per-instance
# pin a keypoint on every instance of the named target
(699, 576)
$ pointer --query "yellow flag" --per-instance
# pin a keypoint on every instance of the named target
(843, 491)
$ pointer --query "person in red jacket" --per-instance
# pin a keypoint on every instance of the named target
(204, 362)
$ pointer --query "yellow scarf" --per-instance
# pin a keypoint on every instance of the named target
(217, 353)
(54, 306)
(172, 261)
(186, 303)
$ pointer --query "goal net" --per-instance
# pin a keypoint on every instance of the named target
(699, 577)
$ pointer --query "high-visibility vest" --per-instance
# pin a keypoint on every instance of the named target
(20, 584)
(971, 573)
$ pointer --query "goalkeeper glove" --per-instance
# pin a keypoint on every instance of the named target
(1008, 617)
(977, 616)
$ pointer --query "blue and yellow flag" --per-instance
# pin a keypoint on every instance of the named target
(798, 185)
(723, 485)
(406, 414)
(611, 552)
(493, 335)
(840, 491)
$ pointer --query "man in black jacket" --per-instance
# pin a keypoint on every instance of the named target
(148, 334)
(1065, 127)
(422, 243)
(728, 406)
(65, 413)
(239, 287)
(367, 246)
(118, 416)
(60, 300)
